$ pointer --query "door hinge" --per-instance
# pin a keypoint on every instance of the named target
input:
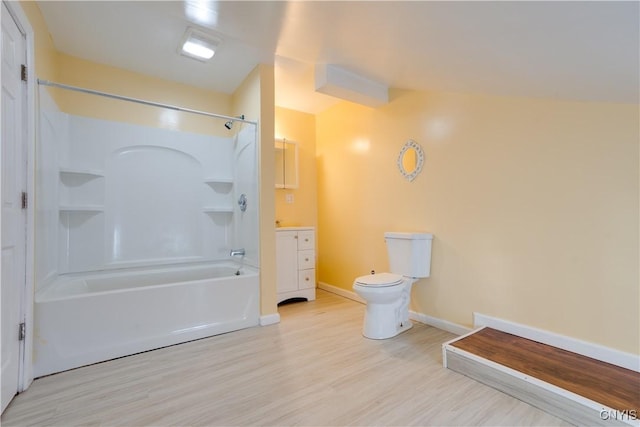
(24, 200)
(23, 72)
(22, 331)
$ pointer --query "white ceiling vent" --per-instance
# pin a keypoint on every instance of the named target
(335, 81)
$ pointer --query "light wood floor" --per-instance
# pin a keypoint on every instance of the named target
(313, 368)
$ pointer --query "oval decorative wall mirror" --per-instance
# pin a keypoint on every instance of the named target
(410, 160)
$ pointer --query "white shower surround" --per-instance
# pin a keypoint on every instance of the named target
(144, 195)
(117, 203)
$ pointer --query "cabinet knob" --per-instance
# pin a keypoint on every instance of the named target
(306, 279)
(306, 240)
(306, 259)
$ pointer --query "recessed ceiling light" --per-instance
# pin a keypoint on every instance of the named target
(196, 49)
(198, 45)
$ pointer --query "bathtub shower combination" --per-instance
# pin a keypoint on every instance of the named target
(135, 226)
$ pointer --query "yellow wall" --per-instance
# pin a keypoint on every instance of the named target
(55, 66)
(86, 74)
(255, 99)
(44, 50)
(533, 204)
(301, 128)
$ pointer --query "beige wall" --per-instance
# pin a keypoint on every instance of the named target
(55, 66)
(86, 74)
(533, 204)
(255, 99)
(301, 128)
(44, 50)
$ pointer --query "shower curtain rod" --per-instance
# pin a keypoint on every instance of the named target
(141, 101)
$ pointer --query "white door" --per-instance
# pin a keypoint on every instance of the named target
(13, 216)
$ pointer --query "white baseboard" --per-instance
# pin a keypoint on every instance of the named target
(269, 319)
(445, 325)
(342, 292)
(595, 351)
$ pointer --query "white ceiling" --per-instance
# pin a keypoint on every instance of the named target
(571, 49)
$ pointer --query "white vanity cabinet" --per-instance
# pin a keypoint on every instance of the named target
(296, 263)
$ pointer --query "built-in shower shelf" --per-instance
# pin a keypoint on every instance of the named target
(218, 180)
(223, 209)
(81, 208)
(87, 172)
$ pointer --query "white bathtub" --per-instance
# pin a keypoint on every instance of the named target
(89, 318)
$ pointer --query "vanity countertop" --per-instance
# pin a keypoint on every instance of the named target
(295, 228)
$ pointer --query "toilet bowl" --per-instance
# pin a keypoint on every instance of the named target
(387, 295)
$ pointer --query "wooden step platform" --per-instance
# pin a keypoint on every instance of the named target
(576, 388)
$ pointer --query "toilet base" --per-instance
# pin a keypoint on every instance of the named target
(405, 326)
(381, 323)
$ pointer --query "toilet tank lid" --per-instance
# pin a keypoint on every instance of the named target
(409, 236)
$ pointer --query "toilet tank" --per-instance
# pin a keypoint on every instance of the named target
(409, 253)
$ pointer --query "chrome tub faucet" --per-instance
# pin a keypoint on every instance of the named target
(236, 252)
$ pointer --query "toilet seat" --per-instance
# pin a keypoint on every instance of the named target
(381, 280)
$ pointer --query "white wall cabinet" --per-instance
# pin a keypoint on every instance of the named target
(286, 167)
(296, 263)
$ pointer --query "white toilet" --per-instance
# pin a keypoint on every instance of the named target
(387, 294)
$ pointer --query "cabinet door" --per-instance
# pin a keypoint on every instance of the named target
(286, 261)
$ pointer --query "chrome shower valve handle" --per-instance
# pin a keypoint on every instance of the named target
(242, 202)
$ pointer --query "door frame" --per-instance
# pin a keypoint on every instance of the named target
(25, 377)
